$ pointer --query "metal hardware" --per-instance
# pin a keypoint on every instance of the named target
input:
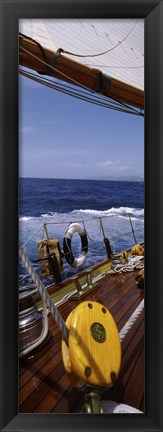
(30, 320)
(80, 290)
(87, 371)
(98, 332)
(92, 404)
(89, 278)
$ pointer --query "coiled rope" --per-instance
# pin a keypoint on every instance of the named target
(44, 295)
(133, 263)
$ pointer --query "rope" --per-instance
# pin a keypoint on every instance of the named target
(44, 295)
(104, 52)
(133, 263)
(125, 329)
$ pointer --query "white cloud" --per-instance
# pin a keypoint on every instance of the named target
(105, 164)
(113, 164)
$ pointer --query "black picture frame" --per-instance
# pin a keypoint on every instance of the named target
(152, 12)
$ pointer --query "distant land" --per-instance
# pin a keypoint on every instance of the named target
(120, 178)
(107, 178)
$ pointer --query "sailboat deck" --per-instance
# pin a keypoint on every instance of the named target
(44, 386)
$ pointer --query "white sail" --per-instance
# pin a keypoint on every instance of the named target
(123, 39)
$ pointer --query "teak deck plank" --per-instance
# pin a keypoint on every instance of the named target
(44, 384)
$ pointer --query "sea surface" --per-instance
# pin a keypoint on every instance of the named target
(58, 202)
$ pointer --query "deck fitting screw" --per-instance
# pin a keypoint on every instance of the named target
(103, 310)
(87, 371)
(90, 305)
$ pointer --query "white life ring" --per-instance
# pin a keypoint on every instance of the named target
(72, 261)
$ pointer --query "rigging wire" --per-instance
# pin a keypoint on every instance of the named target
(65, 86)
(79, 91)
(72, 93)
(94, 99)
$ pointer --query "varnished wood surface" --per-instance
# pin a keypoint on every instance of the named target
(44, 386)
(72, 70)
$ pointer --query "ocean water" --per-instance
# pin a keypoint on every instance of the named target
(58, 202)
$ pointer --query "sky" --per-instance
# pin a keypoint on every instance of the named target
(63, 137)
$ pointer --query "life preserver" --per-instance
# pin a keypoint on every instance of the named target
(72, 261)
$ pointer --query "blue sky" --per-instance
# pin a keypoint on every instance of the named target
(62, 137)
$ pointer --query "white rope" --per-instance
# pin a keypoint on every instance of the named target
(133, 263)
(125, 329)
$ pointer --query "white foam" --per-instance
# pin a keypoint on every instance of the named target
(25, 218)
(114, 211)
(91, 213)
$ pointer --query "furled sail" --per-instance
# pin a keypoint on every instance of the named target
(105, 56)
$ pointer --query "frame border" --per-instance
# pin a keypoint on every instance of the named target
(152, 12)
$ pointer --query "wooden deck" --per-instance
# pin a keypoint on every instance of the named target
(44, 385)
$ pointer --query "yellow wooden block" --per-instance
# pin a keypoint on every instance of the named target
(52, 244)
(94, 351)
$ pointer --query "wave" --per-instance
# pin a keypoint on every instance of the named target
(114, 211)
(26, 218)
(124, 212)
